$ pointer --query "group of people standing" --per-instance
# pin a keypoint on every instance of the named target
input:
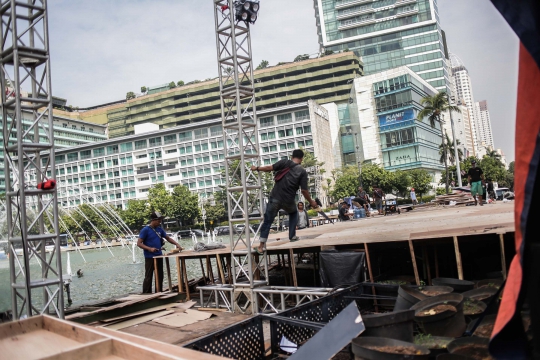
(362, 200)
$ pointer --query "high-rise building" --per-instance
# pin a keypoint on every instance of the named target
(483, 123)
(387, 34)
(463, 93)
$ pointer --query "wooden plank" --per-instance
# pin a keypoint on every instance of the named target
(293, 267)
(426, 261)
(169, 279)
(156, 276)
(503, 256)
(179, 275)
(415, 268)
(186, 281)
(209, 269)
(202, 269)
(458, 258)
(370, 273)
(220, 269)
(138, 320)
(175, 306)
(229, 270)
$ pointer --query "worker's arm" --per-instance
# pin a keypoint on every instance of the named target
(172, 241)
(266, 168)
(309, 199)
(144, 247)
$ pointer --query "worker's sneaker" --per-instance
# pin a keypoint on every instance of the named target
(294, 238)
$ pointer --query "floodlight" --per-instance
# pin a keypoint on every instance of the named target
(246, 10)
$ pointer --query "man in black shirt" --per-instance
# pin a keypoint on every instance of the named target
(344, 212)
(289, 176)
(475, 176)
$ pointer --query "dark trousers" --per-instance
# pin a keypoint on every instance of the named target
(149, 274)
(272, 209)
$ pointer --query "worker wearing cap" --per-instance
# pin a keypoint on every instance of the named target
(475, 176)
(151, 239)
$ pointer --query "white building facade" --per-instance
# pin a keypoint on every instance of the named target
(124, 168)
(483, 123)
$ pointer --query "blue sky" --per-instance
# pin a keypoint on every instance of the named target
(101, 49)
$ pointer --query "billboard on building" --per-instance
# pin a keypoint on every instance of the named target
(396, 117)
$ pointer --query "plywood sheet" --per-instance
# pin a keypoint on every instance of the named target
(183, 318)
(138, 320)
(176, 306)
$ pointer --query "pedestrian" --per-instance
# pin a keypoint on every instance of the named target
(475, 176)
(413, 197)
(361, 200)
(289, 175)
(378, 196)
(344, 212)
(491, 190)
(303, 217)
(151, 239)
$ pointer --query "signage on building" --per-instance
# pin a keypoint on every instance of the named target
(402, 156)
(321, 113)
(389, 119)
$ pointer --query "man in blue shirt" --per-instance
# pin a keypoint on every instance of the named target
(150, 241)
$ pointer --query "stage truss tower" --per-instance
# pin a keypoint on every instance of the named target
(36, 277)
(239, 120)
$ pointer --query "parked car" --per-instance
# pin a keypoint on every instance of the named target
(198, 232)
(184, 234)
(222, 230)
(504, 193)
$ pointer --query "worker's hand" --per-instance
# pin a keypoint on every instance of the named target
(313, 204)
(253, 168)
(179, 247)
(154, 250)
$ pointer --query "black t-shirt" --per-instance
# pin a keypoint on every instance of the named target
(475, 173)
(285, 189)
(343, 211)
(490, 186)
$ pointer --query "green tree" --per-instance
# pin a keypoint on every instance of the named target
(450, 150)
(143, 89)
(373, 174)
(326, 52)
(493, 154)
(493, 169)
(433, 107)
(401, 181)
(136, 214)
(180, 83)
(130, 95)
(511, 167)
(160, 199)
(215, 212)
(172, 85)
(184, 204)
(420, 181)
(346, 182)
(262, 65)
(301, 57)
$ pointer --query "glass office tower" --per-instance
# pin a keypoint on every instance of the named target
(387, 34)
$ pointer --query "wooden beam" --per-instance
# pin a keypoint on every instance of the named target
(202, 270)
(415, 267)
(370, 273)
(228, 260)
(503, 256)
(293, 267)
(179, 274)
(458, 258)
(186, 281)
(436, 262)
(220, 269)
(426, 261)
(209, 269)
(156, 276)
(169, 279)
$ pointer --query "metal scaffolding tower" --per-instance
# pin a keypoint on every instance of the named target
(239, 119)
(36, 277)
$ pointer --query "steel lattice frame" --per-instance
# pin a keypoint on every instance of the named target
(26, 84)
(241, 144)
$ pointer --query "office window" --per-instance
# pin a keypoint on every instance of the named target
(96, 177)
(73, 156)
(301, 115)
(99, 152)
(155, 141)
(183, 136)
(216, 130)
(299, 131)
(126, 147)
(290, 145)
(282, 147)
(113, 149)
(200, 133)
(266, 121)
(307, 129)
(169, 139)
(200, 172)
(283, 119)
(201, 183)
(86, 154)
(140, 144)
(171, 151)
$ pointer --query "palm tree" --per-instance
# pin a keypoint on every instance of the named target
(493, 154)
(434, 106)
(451, 151)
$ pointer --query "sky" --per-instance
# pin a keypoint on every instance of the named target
(102, 49)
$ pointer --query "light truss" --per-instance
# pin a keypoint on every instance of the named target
(36, 277)
(241, 146)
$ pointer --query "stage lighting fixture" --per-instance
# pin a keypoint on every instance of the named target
(246, 10)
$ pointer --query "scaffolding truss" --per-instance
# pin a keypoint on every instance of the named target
(239, 121)
(36, 276)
